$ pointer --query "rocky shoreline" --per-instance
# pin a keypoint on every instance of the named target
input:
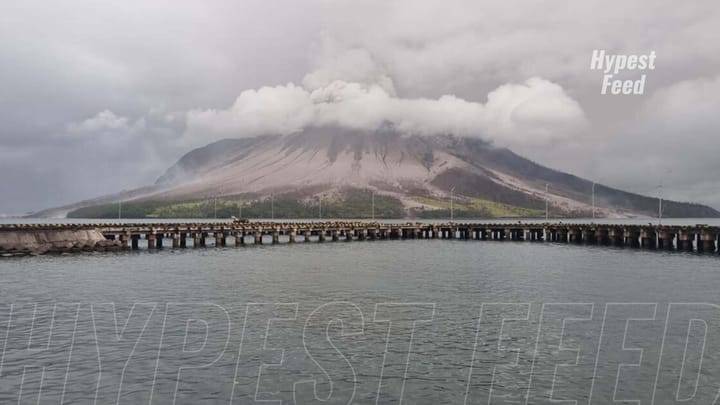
(39, 242)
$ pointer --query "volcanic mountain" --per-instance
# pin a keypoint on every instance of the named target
(418, 172)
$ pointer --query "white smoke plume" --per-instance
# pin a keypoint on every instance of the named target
(351, 91)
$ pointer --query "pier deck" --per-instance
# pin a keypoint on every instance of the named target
(119, 236)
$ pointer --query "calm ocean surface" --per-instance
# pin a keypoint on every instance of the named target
(414, 322)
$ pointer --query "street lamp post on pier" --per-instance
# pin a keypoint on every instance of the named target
(452, 214)
(547, 206)
(593, 200)
(660, 205)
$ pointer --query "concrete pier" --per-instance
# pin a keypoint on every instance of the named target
(700, 238)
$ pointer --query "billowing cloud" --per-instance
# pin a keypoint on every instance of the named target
(536, 111)
(281, 109)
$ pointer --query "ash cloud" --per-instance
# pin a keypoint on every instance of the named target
(536, 111)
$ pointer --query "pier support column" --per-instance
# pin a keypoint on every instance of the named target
(175, 240)
(665, 239)
(538, 235)
(151, 241)
(124, 241)
(685, 240)
(239, 238)
(322, 235)
(135, 242)
(293, 235)
(219, 238)
(363, 234)
(561, 236)
(632, 238)
(276, 236)
(197, 239)
(258, 237)
(616, 236)
(306, 236)
(335, 236)
(601, 236)
(348, 235)
(647, 238)
(706, 241)
(588, 236)
(183, 240)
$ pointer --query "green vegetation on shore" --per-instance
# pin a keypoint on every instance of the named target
(351, 204)
(354, 204)
(472, 208)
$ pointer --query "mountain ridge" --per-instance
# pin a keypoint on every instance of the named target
(419, 171)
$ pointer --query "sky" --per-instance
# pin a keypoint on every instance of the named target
(102, 96)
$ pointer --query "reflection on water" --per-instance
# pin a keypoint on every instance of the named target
(428, 321)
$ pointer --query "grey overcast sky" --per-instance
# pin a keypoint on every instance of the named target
(99, 96)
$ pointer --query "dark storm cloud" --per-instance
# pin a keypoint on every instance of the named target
(102, 96)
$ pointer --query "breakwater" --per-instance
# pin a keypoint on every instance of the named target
(21, 240)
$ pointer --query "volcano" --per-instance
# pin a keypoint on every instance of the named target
(420, 173)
